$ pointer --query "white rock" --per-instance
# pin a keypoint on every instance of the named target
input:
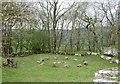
(38, 61)
(55, 58)
(75, 59)
(79, 55)
(101, 75)
(54, 62)
(76, 54)
(47, 58)
(111, 51)
(88, 53)
(65, 62)
(108, 58)
(102, 56)
(42, 63)
(93, 53)
(117, 61)
(66, 65)
(85, 63)
(79, 65)
(66, 58)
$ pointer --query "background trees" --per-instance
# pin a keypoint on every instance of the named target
(49, 26)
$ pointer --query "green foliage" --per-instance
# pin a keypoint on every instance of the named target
(35, 40)
(39, 41)
(114, 46)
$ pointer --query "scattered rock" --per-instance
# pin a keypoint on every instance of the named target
(66, 58)
(116, 61)
(102, 56)
(85, 62)
(94, 53)
(74, 59)
(47, 58)
(79, 65)
(110, 51)
(61, 62)
(89, 53)
(66, 66)
(76, 54)
(106, 57)
(40, 61)
(55, 64)
(110, 58)
(55, 58)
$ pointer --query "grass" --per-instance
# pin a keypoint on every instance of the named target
(29, 71)
(114, 79)
(0, 70)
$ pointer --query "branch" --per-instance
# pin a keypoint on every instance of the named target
(65, 11)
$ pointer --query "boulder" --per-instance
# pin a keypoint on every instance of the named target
(110, 51)
(74, 59)
(103, 75)
(66, 58)
(79, 65)
(66, 66)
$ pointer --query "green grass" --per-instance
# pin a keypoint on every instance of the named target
(0, 70)
(29, 71)
(114, 79)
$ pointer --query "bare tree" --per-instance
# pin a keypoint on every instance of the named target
(107, 9)
(55, 13)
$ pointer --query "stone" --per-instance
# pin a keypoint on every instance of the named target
(74, 59)
(102, 56)
(47, 58)
(55, 64)
(76, 54)
(85, 62)
(79, 54)
(94, 53)
(66, 58)
(108, 58)
(110, 51)
(39, 62)
(103, 75)
(89, 53)
(66, 66)
(117, 61)
(55, 58)
(79, 65)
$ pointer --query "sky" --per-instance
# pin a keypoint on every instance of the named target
(61, 0)
(90, 10)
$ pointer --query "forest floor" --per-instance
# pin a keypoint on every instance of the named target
(29, 70)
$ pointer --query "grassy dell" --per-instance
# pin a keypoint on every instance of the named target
(29, 70)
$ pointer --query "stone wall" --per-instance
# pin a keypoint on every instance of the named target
(105, 75)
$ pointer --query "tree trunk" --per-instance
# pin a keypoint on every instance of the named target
(54, 26)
